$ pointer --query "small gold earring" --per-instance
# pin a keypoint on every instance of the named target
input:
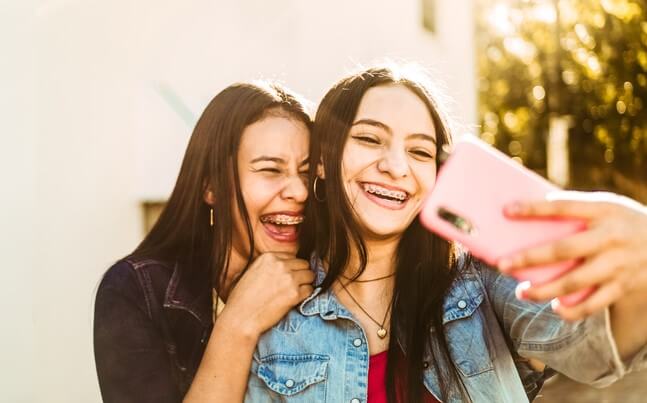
(314, 191)
(211, 217)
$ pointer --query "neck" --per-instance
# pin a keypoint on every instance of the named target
(380, 259)
(370, 302)
(237, 263)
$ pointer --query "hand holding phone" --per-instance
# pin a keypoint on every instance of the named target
(467, 203)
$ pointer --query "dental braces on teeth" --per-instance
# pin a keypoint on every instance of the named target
(383, 192)
(282, 220)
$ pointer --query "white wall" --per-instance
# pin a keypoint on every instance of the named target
(18, 204)
(101, 78)
(85, 153)
(306, 43)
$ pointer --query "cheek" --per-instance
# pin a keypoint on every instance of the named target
(426, 176)
(258, 194)
(356, 160)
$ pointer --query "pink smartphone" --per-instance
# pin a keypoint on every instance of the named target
(466, 205)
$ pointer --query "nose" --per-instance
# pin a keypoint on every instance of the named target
(295, 189)
(394, 162)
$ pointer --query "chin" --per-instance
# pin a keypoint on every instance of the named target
(384, 232)
(385, 229)
(281, 247)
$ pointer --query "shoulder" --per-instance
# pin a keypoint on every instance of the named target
(132, 283)
(488, 278)
(127, 275)
(466, 292)
(469, 271)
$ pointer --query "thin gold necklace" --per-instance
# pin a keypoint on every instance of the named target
(381, 331)
(369, 280)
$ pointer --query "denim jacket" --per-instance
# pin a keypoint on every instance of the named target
(319, 352)
(151, 325)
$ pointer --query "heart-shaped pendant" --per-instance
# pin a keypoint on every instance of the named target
(381, 333)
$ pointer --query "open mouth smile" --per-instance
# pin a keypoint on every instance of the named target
(389, 197)
(282, 227)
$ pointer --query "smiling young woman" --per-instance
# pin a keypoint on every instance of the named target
(392, 133)
(162, 332)
(399, 314)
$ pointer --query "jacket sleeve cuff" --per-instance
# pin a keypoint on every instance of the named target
(619, 367)
(588, 353)
(635, 363)
(639, 361)
(597, 348)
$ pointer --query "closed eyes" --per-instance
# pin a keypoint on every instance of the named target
(270, 170)
(422, 153)
(277, 171)
(366, 139)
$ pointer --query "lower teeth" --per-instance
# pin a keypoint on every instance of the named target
(387, 198)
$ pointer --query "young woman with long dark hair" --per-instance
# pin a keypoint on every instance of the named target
(400, 314)
(228, 233)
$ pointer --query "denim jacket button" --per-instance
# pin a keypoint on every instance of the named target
(289, 383)
(355, 400)
(462, 304)
(357, 342)
(425, 364)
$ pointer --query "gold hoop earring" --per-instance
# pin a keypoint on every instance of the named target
(314, 191)
(211, 217)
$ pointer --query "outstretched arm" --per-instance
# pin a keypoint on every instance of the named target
(613, 250)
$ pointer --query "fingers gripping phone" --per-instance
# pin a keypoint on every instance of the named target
(466, 205)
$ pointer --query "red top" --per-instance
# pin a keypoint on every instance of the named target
(376, 384)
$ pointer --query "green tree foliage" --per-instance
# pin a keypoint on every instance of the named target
(583, 59)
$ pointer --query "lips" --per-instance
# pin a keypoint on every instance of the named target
(386, 196)
(282, 226)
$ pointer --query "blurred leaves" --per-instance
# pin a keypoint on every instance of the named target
(583, 59)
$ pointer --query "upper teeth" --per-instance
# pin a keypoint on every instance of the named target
(395, 194)
(282, 219)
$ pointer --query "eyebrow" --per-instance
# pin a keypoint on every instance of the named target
(375, 123)
(423, 136)
(268, 158)
(277, 160)
(378, 124)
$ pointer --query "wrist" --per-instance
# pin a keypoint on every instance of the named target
(237, 326)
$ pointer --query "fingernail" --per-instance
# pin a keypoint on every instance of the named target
(521, 289)
(555, 304)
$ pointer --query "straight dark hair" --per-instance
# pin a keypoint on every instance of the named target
(183, 233)
(424, 262)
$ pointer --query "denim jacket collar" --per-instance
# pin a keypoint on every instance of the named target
(463, 298)
(321, 303)
(181, 294)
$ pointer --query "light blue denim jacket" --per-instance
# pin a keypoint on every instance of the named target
(319, 352)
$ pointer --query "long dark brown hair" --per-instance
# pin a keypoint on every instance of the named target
(183, 233)
(424, 262)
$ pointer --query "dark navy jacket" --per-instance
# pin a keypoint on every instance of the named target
(151, 327)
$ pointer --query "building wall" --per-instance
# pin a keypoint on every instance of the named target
(186, 55)
(101, 100)
(18, 204)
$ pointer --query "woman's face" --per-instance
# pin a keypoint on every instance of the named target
(389, 160)
(272, 165)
